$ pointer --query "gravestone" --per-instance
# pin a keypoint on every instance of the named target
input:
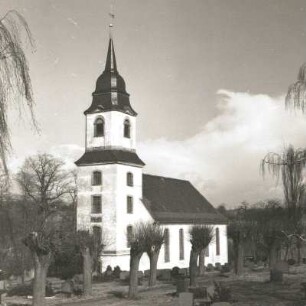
(2, 286)
(165, 275)
(185, 299)
(210, 291)
(276, 276)
(282, 266)
(182, 285)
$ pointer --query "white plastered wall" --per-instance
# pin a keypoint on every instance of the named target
(113, 131)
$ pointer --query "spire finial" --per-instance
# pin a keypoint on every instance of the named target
(112, 17)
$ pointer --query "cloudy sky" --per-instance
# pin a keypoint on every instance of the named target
(207, 78)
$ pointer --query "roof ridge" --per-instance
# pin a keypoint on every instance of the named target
(167, 177)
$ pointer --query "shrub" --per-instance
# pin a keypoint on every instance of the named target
(218, 266)
(116, 272)
(291, 261)
(24, 290)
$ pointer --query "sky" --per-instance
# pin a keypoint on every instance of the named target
(207, 77)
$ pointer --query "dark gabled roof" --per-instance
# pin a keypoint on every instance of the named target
(177, 201)
(109, 157)
(110, 93)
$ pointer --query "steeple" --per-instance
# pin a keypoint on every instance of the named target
(110, 93)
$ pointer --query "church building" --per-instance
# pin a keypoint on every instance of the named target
(114, 193)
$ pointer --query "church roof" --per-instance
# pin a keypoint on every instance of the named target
(110, 93)
(103, 157)
(176, 201)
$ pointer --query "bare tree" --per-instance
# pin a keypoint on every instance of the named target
(200, 237)
(90, 246)
(137, 240)
(44, 184)
(296, 96)
(154, 239)
(290, 164)
(15, 82)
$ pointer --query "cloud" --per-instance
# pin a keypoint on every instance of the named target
(223, 159)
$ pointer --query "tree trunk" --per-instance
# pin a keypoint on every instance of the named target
(41, 264)
(87, 272)
(193, 267)
(134, 265)
(239, 259)
(202, 262)
(153, 268)
(273, 256)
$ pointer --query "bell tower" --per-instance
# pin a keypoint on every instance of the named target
(110, 171)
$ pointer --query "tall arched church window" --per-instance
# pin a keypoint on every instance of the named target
(99, 127)
(97, 178)
(129, 235)
(167, 245)
(127, 129)
(217, 242)
(129, 179)
(181, 241)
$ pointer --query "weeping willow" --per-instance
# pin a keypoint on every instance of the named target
(296, 96)
(290, 165)
(15, 82)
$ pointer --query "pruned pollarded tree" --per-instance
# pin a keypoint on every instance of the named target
(154, 239)
(15, 82)
(200, 237)
(137, 241)
(90, 247)
(44, 184)
(290, 165)
(296, 96)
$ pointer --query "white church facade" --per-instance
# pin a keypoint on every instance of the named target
(114, 193)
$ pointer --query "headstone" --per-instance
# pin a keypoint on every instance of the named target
(184, 271)
(140, 274)
(276, 276)
(182, 285)
(147, 273)
(2, 287)
(165, 275)
(186, 299)
(282, 266)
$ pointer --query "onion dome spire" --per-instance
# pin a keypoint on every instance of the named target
(110, 93)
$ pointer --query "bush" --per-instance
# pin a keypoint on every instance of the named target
(218, 266)
(24, 290)
(291, 261)
(116, 272)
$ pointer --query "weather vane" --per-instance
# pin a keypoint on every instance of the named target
(112, 17)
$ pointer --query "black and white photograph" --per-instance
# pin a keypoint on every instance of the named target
(153, 152)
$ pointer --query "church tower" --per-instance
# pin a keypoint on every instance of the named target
(110, 171)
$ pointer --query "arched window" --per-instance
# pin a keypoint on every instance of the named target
(129, 235)
(99, 127)
(127, 128)
(129, 204)
(129, 179)
(96, 204)
(167, 245)
(217, 242)
(181, 240)
(97, 178)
